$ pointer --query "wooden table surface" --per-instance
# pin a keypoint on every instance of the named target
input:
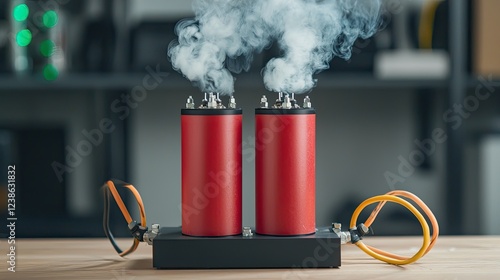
(470, 257)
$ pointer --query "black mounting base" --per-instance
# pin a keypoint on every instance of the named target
(172, 250)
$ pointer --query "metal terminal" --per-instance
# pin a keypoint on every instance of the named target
(293, 101)
(232, 102)
(287, 104)
(279, 101)
(263, 102)
(247, 232)
(284, 101)
(219, 102)
(212, 101)
(204, 102)
(345, 236)
(307, 103)
(190, 103)
(337, 227)
(151, 234)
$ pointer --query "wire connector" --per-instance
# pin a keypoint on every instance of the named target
(137, 230)
(362, 229)
(151, 234)
(354, 235)
(345, 236)
(358, 232)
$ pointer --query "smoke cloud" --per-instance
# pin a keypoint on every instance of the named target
(225, 34)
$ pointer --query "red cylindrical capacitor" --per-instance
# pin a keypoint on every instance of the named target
(285, 171)
(211, 172)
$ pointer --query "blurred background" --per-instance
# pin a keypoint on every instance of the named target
(87, 93)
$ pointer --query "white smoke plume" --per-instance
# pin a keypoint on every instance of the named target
(225, 34)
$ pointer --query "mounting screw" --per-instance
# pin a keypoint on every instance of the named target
(337, 227)
(247, 232)
(287, 104)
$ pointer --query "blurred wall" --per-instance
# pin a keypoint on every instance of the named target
(75, 111)
(490, 184)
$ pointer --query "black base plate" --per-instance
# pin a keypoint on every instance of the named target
(173, 250)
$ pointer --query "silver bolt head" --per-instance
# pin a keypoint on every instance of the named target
(155, 228)
(247, 232)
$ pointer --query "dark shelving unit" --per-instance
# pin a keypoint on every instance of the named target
(175, 81)
(126, 81)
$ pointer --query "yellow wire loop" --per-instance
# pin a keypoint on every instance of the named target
(393, 197)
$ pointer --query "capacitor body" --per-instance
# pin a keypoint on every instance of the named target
(285, 171)
(211, 172)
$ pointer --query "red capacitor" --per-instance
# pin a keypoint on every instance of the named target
(285, 171)
(211, 172)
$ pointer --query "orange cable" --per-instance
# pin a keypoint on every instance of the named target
(394, 196)
(420, 203)
(119, 201)
(112, 188)
(138, 198)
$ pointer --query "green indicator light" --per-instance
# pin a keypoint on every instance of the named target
(47, 48)
(50, 72)
(23, 37)
(21, 12)
(50, 19)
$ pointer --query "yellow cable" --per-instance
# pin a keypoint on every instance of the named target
(387, 257)
(420, 203)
